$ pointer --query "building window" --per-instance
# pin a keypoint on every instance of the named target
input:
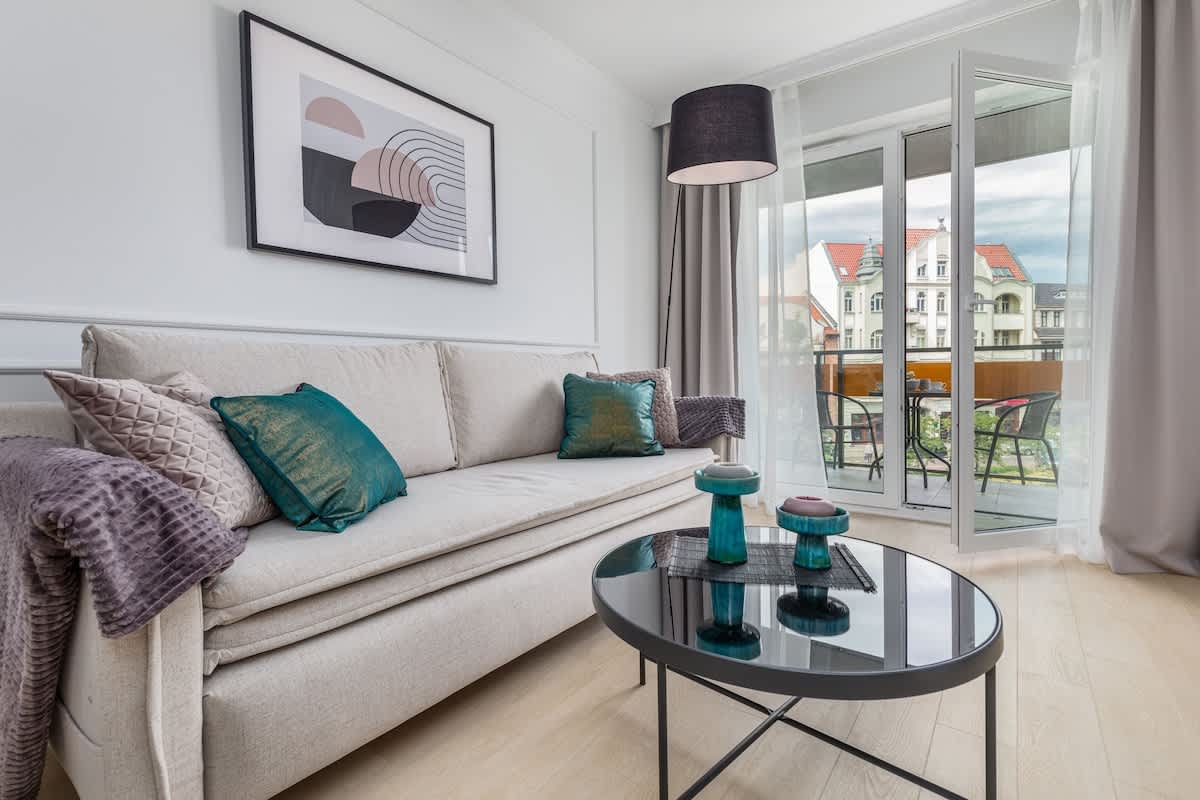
(941, 338)
(877, 302)
(849, 303)
(920, 301)
(1006, 338)
(919, 339)
(920, 270)
(979, 338)
(977, 299)
(941, 302)
(1045, 319)
(941, 268)
(1058, 319)
(876, 339)
(1002, 272)
(1008, 304)
(848, 344)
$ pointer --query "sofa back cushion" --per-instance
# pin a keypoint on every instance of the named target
(395, 389)
(507, 403)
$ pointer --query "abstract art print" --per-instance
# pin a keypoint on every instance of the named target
(346, 163)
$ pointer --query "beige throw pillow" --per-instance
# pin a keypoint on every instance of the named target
(662, 410)
(170, 429)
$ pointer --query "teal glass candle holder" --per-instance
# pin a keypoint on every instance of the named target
(811, 611)
(812, 533)
(725, 633)
(726, 523)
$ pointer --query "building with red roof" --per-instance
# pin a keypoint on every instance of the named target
(846, 278)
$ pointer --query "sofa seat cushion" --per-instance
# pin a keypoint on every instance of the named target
(301, 619)
(442, 513)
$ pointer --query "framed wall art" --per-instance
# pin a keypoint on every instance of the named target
(346, 163)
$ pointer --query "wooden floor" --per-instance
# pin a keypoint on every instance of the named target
(1098, 697)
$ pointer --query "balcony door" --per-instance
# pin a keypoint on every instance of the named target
(1010, 198)
(852, 219)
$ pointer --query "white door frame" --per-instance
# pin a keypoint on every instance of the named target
(893, 314)
(967, 67)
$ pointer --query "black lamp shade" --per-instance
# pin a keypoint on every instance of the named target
(722, 134)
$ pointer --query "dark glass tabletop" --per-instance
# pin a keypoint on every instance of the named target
(924, 629)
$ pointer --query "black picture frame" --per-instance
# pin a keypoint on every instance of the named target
(246, 20)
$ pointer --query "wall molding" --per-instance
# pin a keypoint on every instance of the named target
(77, 316)
(18, 368)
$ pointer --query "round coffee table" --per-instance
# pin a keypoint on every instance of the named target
(924, 629)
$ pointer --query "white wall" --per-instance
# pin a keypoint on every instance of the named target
(122, 161)
(920, 75)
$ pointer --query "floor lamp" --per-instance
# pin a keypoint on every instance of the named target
(718, 135)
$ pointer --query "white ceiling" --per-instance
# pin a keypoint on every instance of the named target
(659, 49)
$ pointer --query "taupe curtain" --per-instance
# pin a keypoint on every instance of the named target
(1141, 89)
(699, 320)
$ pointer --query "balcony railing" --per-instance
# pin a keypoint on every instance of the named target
(1000, 371)
(1008, 322)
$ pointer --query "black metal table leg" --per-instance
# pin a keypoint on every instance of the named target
(738, 749)
(780, 715)
(913, 440)
(989, 733)
(918, 780)
(662, 732)
(641, 670)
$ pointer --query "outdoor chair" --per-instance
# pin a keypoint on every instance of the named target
(826, 419)
(1020, 418)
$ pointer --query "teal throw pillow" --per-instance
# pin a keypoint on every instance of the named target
(320, 464)
(608, 418)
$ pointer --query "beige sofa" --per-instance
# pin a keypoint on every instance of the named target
(312, 644)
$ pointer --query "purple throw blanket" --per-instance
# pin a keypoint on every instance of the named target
(709, 416)
(142, 541)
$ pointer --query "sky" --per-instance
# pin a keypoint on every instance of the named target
(1022, 203)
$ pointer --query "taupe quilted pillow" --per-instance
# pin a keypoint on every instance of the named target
(169, 429)
(662, 409)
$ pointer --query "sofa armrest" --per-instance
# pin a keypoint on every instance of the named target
(724, 446)
(129, 721)
(36, 419)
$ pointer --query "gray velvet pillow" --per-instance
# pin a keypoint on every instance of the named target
(169, 429)
(666, 423)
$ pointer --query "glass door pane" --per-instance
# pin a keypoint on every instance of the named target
(1013, 192)
(845, 217)
(928, 295)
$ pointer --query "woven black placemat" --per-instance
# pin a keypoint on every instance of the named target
(767, 563)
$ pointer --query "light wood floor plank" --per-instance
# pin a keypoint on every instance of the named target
(1060, 751)
(1048, 642)
(956, 761)
(1127, 792)
(853, 779)
(1151, 744)
(898, 731)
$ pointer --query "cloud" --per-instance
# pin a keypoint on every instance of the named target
(1023, 204)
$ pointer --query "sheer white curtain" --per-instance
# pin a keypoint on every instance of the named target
(776, 367)
(1086, 347)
